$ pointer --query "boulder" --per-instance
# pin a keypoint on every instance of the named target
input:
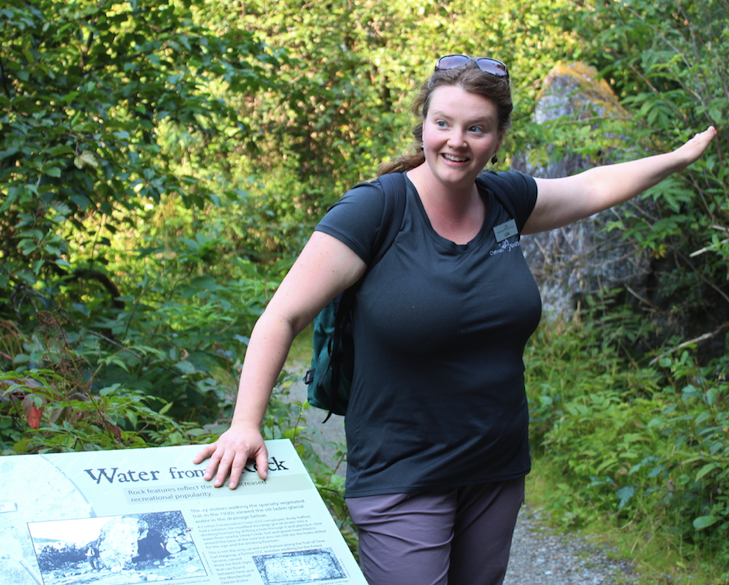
(582, 258)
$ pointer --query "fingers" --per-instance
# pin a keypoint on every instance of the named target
(215, 453)
(219, 466)
(229, 456)
(707, 135)
(237, 467)
(701, 140)
(262, 463)
(204, 453)
(694, 148)
(236, 471)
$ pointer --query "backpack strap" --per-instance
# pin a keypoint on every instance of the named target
(394, 188)
(339, 347)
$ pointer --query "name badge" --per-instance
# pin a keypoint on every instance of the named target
(505, 230)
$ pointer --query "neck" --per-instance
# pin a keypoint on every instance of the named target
(456, 213)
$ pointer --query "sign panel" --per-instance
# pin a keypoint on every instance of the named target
(142, 515)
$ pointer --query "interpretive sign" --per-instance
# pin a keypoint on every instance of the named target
(141, 515)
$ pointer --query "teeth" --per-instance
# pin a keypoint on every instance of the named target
(455, 158)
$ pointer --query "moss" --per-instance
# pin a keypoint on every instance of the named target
(579, 83)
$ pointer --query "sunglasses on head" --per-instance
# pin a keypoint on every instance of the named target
(485, 64)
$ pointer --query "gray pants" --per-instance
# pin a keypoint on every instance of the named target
(460, 536)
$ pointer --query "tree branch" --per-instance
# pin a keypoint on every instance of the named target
(85, 54)
(698, 339)
(701, 276)
(4, 78)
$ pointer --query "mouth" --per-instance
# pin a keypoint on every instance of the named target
(454, 158)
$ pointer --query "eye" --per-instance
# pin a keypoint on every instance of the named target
(476, 129)
(441, 123)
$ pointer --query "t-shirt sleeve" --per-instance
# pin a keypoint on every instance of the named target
(518, 189)
(526, 188)
(355, 219)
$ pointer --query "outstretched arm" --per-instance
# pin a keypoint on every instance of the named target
(563, 201)
(325, 268)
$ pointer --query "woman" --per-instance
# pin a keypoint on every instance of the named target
(437, 425)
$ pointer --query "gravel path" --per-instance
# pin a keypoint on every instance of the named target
(538, 557)
(325, 435)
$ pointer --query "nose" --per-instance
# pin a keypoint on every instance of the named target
(457, 138)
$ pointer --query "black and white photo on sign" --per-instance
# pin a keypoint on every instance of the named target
(113, 550)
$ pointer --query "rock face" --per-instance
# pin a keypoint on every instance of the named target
(581, 258)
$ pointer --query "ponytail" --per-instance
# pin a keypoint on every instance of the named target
(401, 164)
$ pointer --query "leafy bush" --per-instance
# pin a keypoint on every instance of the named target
(643, 446)
(173, 342)
(88, 93)
(661, 58)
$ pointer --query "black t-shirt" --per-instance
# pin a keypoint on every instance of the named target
(438, 397)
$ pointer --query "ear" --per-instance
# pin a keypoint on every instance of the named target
(500, 141)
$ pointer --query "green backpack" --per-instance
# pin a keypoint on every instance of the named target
(332, 366)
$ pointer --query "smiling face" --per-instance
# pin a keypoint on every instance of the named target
(460, 135)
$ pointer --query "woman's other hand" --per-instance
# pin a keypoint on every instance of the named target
(694, 148)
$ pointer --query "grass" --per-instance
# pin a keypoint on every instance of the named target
(654, 555)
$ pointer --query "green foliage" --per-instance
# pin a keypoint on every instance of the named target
(172, 343)
(113, 119)
(88, 92)
(646, 448)
(696, 422)
(661, 58)
(352, 74)
(44, 411)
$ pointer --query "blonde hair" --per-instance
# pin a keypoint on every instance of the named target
(471, 79)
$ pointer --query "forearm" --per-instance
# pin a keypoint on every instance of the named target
(325, 268)
(563, 201)
(267, 350)
(611, 185)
